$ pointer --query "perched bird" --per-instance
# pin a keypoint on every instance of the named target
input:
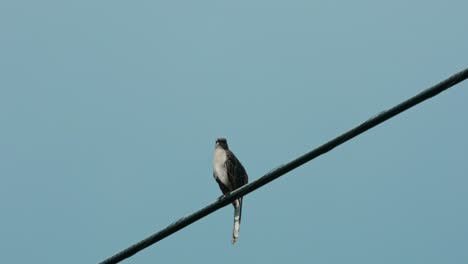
(230, 175)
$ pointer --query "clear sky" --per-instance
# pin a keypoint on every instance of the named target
(109, 111)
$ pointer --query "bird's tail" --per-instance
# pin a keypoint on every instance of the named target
(237, 219)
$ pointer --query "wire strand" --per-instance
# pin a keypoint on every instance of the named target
(278, 172)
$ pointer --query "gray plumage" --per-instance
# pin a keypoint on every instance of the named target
(230, 175)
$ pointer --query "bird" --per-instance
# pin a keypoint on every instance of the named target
(230, 175)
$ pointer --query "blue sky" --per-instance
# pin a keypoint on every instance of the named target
(109, 111)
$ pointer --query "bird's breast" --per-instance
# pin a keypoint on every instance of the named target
(219, 168)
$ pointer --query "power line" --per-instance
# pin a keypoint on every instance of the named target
(276, 173)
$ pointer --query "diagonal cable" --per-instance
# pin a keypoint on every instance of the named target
(278, 172)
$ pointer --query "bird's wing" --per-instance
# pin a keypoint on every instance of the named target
(235, 171)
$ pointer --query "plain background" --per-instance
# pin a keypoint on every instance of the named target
(109, 111)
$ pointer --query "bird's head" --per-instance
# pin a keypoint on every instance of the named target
(222, 143)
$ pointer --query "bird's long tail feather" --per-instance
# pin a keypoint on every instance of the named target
(237, 219)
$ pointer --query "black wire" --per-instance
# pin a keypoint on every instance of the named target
(276, 173)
